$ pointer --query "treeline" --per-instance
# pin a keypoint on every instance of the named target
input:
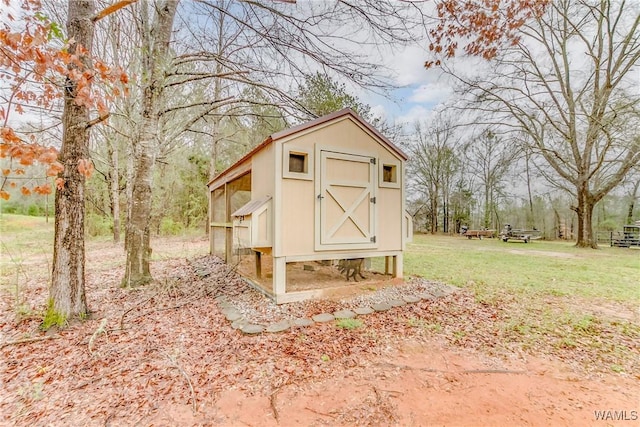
(483, 180)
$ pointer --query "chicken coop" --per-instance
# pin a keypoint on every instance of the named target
(329, 189)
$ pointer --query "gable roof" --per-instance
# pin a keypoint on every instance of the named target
(308, 125)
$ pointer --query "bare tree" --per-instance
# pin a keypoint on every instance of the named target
(633, 196)
(116, 41)
(434, 163)
(567, 82)
(157, 23)
(274, 47)
(489, 159)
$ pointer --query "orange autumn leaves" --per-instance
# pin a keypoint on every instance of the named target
(22, 155)
(485, 26)
(37, 62)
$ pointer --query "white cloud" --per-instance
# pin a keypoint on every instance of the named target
(431, 93)
(408, 66)
(414, 114)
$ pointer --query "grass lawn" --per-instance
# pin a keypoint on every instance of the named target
(20, 234)
(532, 269)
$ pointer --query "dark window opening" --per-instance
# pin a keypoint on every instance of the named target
(297, 162)
(389, 173)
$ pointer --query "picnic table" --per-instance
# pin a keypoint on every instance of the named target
(480, 234)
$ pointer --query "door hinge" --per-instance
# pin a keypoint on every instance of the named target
(373, 239)
(372, 200)
(373, 160)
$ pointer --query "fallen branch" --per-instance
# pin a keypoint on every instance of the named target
(324, 414)
(407, 367)
(493, 371)
(272, 401)
(186, 377)
(378, 397)
(28, 340)
(469, 371)
(135, 306)
(391, 391)
(100, 330)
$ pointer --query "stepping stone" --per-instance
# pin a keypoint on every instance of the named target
(238, 324)
(361, 311)
(323, 317)
(397, 303)
(427, 296)
(203, 273)
(251, 329)
(231, 314)
(411, 299)
(302, 322)
(344, 314)
(280, 326)
(381, 307)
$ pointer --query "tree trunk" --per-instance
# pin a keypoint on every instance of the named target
(632, 200)
(115, 193)
(445, 215)
(584, 235)
(137, 240)
(67, 292)
(530, 215)
(138, 246)
(434, 212)
(487, 208)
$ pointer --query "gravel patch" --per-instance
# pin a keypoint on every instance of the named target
(246, 306)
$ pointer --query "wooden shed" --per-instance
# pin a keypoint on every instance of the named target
(329, 189)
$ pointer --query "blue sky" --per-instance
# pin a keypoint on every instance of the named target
(419, 90)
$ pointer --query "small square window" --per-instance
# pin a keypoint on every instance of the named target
(298, 162)
(389, 173)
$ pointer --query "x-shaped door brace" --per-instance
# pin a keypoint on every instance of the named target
(348, 213)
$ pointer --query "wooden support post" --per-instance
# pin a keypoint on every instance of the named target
(279, 276)
(397, 266)
(258, 264)
(386, 265)
(228, 251)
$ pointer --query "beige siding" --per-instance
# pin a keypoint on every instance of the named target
(298, 202)
(389, 219)
(263, 174)
(298, 198)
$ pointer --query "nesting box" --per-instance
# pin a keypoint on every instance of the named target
(332, 188)
(253, 226)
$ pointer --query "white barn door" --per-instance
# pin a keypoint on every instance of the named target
(346, 203)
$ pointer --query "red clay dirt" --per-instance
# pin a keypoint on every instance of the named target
(429, 385)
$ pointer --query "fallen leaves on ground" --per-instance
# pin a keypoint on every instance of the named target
(170, 343)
